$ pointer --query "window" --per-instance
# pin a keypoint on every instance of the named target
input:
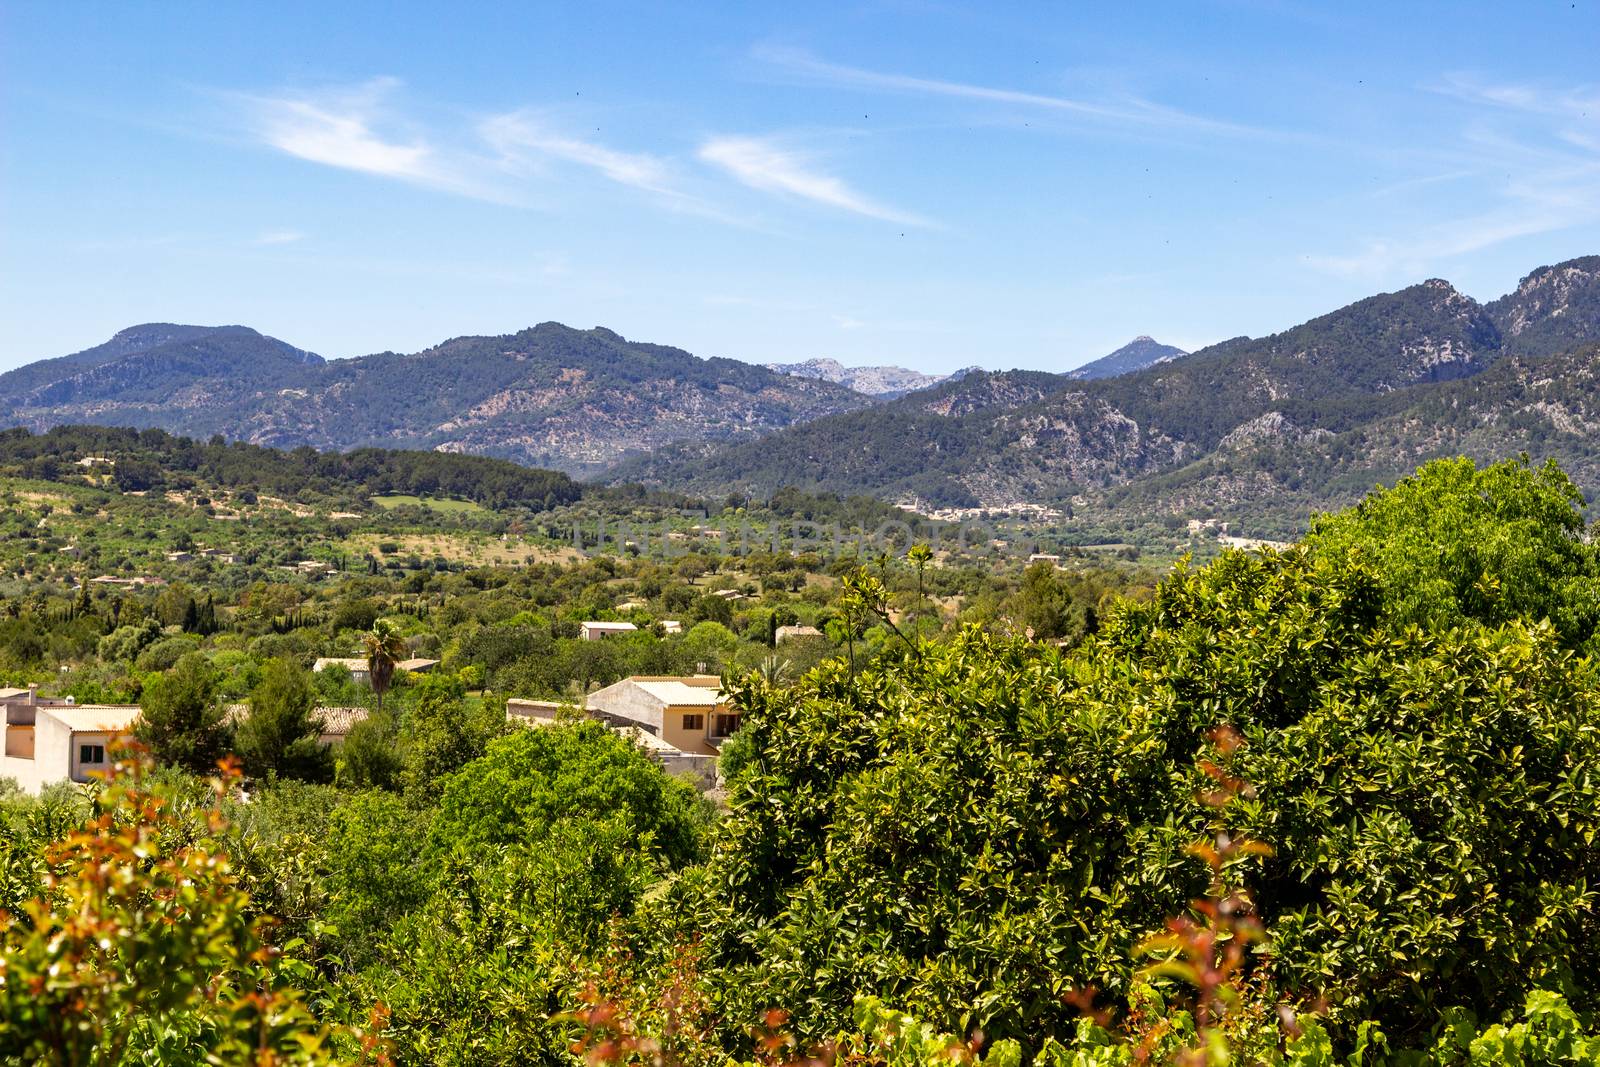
(726, 725)
(694, 722)
(91, 753)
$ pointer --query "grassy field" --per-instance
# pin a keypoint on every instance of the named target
(448, 507)
(478, 549)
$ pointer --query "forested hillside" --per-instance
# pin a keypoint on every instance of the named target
(552, 396)
(1547, 407)
(140, 461)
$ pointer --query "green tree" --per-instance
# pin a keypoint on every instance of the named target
(126, 642)
(443, 735)
(281, 735)
(920, 556)
(532, 779)
(1044, 603)
(1455, 541)
(972, 832)
(181, 719)
(147, 950)
(370, 756)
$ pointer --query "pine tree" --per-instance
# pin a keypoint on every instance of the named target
(281, 738)
(181, 720)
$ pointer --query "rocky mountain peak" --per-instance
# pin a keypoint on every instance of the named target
(1141, 352)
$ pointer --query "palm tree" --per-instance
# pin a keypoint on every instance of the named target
(384, 647)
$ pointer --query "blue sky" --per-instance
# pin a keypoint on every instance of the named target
(929, 184)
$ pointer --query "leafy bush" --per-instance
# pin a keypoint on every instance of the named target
(532, 780)
(975, 830)
(145, 949)
(1455, 542)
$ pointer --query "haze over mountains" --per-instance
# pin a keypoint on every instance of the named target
(1304, 414)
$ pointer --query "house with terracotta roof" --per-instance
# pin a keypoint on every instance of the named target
(687, 712)
(48, 741)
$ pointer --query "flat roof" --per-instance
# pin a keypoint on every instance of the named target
(99, 718)
(672, 691)
(521, 707)
(610, 625)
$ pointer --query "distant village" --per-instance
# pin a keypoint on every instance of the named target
(681, 722)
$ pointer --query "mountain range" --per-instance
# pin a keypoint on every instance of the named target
(549, 396)
(1344, 381)
(578, 401)
(888, 383)
(1294, 419)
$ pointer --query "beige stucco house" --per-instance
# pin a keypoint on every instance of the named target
(696, 763)
(687, 712)
(49, 741)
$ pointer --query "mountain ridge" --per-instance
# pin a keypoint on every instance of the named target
(594, 404)
(1325, 377)
(884, 382)
(548, 396)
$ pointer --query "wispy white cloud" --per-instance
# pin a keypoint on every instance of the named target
(515, 157)
(1122, 110)
(504, 158)
(762, 163)
(526, 143)
(1531, 212)
(357, 129)
(1570, 102)
(520, 138)
(1539, 166)
(279, 237)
